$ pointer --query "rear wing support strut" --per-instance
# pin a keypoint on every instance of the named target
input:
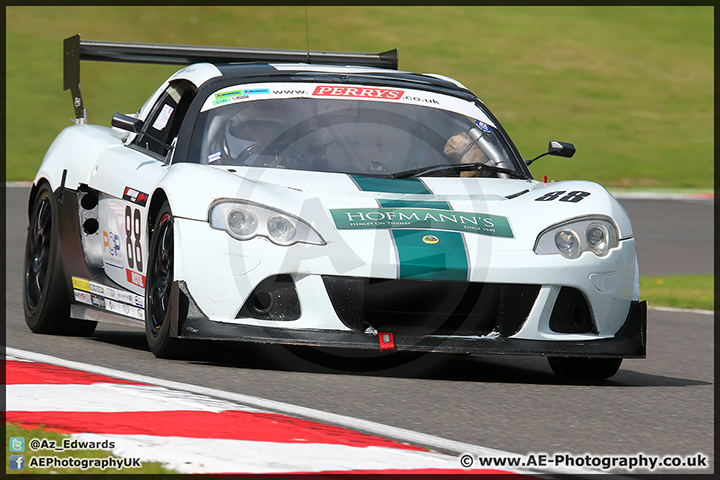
(71, 75)
(163, 54)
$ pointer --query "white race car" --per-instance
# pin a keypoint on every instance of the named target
(323, 199)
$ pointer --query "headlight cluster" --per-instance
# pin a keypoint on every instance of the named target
(245, 220)
(571, 238)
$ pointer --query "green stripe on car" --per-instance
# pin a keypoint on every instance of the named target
(422, 254)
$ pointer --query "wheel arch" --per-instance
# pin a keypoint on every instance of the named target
(159, 197)
(33, 194)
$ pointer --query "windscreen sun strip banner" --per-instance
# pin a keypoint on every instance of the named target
(264, 91)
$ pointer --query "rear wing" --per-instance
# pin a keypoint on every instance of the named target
(76, 50)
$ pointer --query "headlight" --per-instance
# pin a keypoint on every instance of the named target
(245, 220)
(597, 237)
(241, 222)
(567, 243)
(570, 239)
(281, 229)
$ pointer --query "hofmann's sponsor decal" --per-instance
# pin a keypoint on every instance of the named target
(358, 92)
(421, 218)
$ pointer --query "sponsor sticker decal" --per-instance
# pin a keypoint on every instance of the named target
(135, 196)
(123, 309)
(246, 91)
(139, 301)
(421, 218)
(483, 126)
(82, 297)
(125, 297)
(81, 284)
(111, 249)
(109, 298)
(98, 301)
(358, 92)
(256, 91)
(214, 157)
(239, 94)
(83, 289)
(135, 278)
(103, 290)
(430, 239)
(232, 93)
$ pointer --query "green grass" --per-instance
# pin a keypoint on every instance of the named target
(682, 291)
(13, 430)
(632, 87)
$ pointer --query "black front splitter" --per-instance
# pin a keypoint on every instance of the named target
(189, 322)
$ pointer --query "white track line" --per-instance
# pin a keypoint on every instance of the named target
(683, 310)
(110, 397)
(688, 195)
(386, 431)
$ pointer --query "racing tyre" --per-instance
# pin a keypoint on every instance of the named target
(158, 287)
(45, 296)
(584, 368)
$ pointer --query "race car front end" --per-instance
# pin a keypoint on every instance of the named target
(434, 264)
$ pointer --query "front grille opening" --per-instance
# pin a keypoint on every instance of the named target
(418, 307)
(571, 313)
(275, 298)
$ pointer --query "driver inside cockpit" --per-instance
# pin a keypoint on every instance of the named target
(242, 133)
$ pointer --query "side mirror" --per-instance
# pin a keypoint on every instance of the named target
(560, 149)
(127, 123)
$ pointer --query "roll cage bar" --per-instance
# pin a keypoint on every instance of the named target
(76, 50)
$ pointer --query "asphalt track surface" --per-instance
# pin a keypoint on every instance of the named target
(661, 405)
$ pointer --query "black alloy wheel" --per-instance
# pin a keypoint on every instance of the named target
(45, 296)
(159, 287)
(37, 259)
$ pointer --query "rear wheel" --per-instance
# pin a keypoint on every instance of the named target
(584, 368)
(159, 286)
(45, 296)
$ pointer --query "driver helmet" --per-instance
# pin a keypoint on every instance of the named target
(242, 132)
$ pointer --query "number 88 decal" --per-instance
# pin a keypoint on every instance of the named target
(133, 225)
(572, 197)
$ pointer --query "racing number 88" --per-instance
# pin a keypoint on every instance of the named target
(132, 229)
(573, 197)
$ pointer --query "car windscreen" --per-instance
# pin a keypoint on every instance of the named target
(343, 128)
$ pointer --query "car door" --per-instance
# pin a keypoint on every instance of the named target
(126, 176)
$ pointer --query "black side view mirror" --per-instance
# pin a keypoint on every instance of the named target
(127, 123)
(559, 149)
(134, 125)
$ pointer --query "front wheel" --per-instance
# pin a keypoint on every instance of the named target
(159, 286)
(45, 296)
(584, 368)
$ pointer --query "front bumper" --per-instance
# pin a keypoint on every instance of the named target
(512, 302)
(222, 273)
(189, 322)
